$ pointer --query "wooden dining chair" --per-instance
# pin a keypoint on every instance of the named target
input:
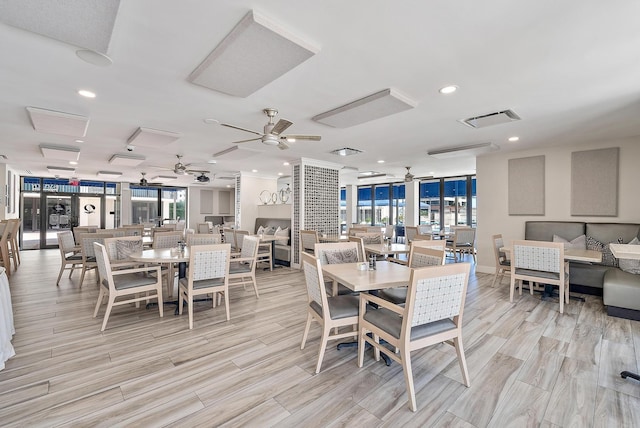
(204, 239)
(166, 239)
(70, 254)
(308, 240)
(463, 242)
(339, 252)
(432, 314)
(419, 257)
(371, 237)
(208, 274)
(332, 313)
(87, 250)
(540, 262)
(362, 254)
(119, 248)
(410, 233)
(242, 268)
(5, 259)
(503, 264)
(203, 228)
(12, 241)
(134, 285)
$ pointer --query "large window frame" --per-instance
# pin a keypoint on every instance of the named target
(381, 204)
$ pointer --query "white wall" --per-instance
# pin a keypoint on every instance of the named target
(15, 193)
(195, 216)
(275, 211)
(250, 189)
(492, 191)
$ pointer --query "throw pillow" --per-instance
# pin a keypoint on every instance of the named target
(631, 265)
(282, 232)
(607, 256)
(125, 248)
(341, 256)
(579, 243)
(374, 239)
(260, 231)
(269, 230)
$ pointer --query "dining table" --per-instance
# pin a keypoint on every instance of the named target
(167, 256)
(385, 275)
(270, 240)
(571, 254)
(387, 249)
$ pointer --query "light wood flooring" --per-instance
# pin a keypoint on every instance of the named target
(529, 365)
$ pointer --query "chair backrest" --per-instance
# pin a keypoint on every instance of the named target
(540, 256)
(204, 239)
(308, 240)
(135, 230)
(436, 244)
(104, 266)
(79, 230)
(316, 291)
(425, 229)
(120, 247)
(422, 257)
(181, 225)
(410, 233)
(239, 237)
(465, 236)
(371, 238)
(202, 228)
(435, 294)
(357, 229)
(66, 243)
(229, 236)
(337, 252)
(362, 254)
(209, 262)
(250, 246)
(120, 232)
(389, 231)
(88, 239)
(166, 239)
(162, 230)
(498, 243)
(12, 224)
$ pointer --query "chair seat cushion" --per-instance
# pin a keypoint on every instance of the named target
(74, 257)
(339, 306)
(239, 268)
(541, 274)
(395, 295)
(203, 283)
(392, 323)
(131, 280)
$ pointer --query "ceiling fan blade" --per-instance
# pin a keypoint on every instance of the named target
(197, 171)
(282, 145)
(246, 141)
(281, 126)
(241, 129)
(303, 137)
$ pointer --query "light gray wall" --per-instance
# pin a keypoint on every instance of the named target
(492, 191)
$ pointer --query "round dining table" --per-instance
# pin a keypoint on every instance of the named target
(168, 256)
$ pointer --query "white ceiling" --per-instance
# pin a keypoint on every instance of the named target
(570, 70)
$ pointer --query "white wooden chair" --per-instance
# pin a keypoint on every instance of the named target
(204, 239)
(88, 255)
(432, 314)
(242, 269)
(332, 313)
(70, 257)
(308, 240)
(503, 265)
(125, 283)
(463, 242)
(208, 274)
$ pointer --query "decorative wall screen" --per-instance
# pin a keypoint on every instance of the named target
(594, 182)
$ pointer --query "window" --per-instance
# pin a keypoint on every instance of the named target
(430, 203)
(381, 205)
(364, 205)
(397, 204)
(455, 202)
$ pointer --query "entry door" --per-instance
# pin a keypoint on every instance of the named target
(58, 216)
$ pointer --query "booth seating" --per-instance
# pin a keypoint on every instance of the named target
(282, 249)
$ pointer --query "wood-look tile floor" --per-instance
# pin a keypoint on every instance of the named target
(529, 365)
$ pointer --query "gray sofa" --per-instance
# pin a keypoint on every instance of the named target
(620, 290)
(282, 250)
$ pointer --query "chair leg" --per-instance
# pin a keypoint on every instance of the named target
(82, 275)
(226, 304)
(60, 274)
(190, 309)
(99, 302)
(160, 302)
(255, 285)
(108, 311)
(361, 345)
(457, 342)
(306, 330)
(323, 346)
(408, 378)
(512, 288)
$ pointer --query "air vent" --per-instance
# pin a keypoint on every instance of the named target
(345, 152)
(491, 119)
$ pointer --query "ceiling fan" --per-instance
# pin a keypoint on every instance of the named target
(272, 132)
(408, 177)
(183, 169)
(144, 182)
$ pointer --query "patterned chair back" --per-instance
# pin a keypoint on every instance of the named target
(436, 294)
(410, 233)
(209, 262)
(249, 246)
(308, 240)
(422, 257)
(314, 281)
(349, 249)
(203, 228)
(371, 238)
(166, 239)
(538, 256)
(120, 247)
(65, 241)
(465, 235)
(204, 239)
(239, 237)
(498, 243)
(88, 239)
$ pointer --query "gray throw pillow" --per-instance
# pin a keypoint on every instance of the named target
(125, 248)
(341, 256)
(607, 256)
(631, 265)
(579, 243)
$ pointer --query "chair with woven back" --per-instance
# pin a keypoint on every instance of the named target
(119, 248)
(204, 239)
(87, 250)
(167, 240)
(335, 253)
(503, 265)
(208, 274)
(432, 315)
(70, 256)
(133, 230)
(308, 240)
(463, 242)
(419, 257)
(79, 230)
(125, 283)
(242, 269)
(202, 228)
(362, 254)
(410, 233)
(230, 237)
(371, 237)
(540, 262)
(12, 240)
(332, 313)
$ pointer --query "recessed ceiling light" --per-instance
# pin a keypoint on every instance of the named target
(228, 185)
(280, 173)
(86, 94)
(286, 164)
(448, 89)
(431, 173)
(79, 141)
(210, 121)
(291, 140)
(513, 139)
(212, 161)
(254, 170)
(380, 161)
(73, 163)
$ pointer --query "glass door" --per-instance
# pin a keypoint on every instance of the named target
(57, 217)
